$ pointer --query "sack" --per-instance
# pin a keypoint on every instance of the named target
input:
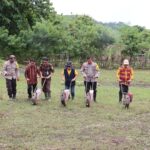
(131, 96)
(36, 96)
(65, 95)
(89, 95)
(127, 98)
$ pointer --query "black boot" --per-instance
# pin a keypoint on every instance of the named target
(94, 96)
(14, 97)
(120, 96)
(46, 95)
(63, 103)
(72, 95)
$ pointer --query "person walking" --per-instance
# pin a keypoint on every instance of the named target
(90, 72)
(11, 74)
(69, 75)
(125, 76)
(31, 74)
(46, 70)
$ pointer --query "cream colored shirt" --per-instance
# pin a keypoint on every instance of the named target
(11, 70)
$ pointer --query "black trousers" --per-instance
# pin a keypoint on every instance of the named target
(11, 87)
(91, 85)
(123, 89)
(31, 89)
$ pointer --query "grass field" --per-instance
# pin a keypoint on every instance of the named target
(104, 126)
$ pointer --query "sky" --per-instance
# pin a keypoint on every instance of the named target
(132, 12)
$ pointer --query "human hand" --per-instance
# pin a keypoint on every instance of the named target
(119, 80)
(73, 80)
(42, 77)
(84, 76)
(48, 77)
(95, 77)
(129, 82)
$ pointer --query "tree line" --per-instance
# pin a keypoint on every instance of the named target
(32, 28)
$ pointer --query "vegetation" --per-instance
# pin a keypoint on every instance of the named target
(33, 29)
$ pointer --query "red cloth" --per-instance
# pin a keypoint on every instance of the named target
(131, 96)
(31, 73)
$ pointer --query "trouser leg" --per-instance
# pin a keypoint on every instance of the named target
(87, 86)
(46, 88)
(34, 87)
(120, 92)
(14, 91)
(43, 83)
(29, 91)
(123, 89)
(9, 87)
(95, 90)
(73, 91)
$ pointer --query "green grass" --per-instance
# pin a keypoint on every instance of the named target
(104, 126)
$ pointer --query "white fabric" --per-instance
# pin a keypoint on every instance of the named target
(36, 94)
(89, 95)
(67, 93)
(126, 99)
(126, 62)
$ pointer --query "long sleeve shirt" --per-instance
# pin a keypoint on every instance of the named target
(90, 72)
(11, 70)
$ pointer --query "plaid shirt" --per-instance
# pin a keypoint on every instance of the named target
(46, 70)
(31, 73)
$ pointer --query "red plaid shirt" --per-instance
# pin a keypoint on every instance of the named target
(31, 73)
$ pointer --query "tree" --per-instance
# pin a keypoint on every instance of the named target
(130, 38)
(136, 40)
(16, 15)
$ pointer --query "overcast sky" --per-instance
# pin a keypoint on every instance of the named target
(133, 12)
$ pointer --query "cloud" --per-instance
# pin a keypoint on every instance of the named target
(134, 11)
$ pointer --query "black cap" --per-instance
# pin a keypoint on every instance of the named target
(69, 64)
(45, 58)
